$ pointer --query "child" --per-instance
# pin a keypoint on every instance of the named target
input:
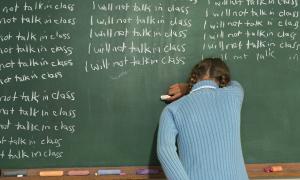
(205, 124)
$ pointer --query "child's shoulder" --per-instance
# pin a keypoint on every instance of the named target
(175, 105)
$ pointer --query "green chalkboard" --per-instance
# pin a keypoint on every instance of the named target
(81, 80)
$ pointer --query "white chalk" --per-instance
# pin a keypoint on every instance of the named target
(164, 97)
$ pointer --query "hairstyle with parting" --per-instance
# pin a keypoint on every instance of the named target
(213, 68)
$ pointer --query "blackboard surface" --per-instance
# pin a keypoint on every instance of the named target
(81, 80)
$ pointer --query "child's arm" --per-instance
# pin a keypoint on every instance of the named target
(166, 148)
(176, 91)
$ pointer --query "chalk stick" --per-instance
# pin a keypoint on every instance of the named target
(22, 172)
(273, 169)
(109, 172)
(78, 173)
(51, 173)
(164, 97)
(147, 171)
(268, 169)
(276, 168)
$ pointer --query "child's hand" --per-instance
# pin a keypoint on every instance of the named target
(176, 91)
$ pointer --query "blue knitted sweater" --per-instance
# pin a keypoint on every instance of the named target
(206, 127)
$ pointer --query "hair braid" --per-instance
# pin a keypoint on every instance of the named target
(214, 68)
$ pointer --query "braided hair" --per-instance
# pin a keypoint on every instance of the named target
(213, 68)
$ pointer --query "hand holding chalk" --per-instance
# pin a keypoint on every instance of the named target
(175, 92)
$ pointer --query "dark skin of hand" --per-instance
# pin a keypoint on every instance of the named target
(176, 91)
